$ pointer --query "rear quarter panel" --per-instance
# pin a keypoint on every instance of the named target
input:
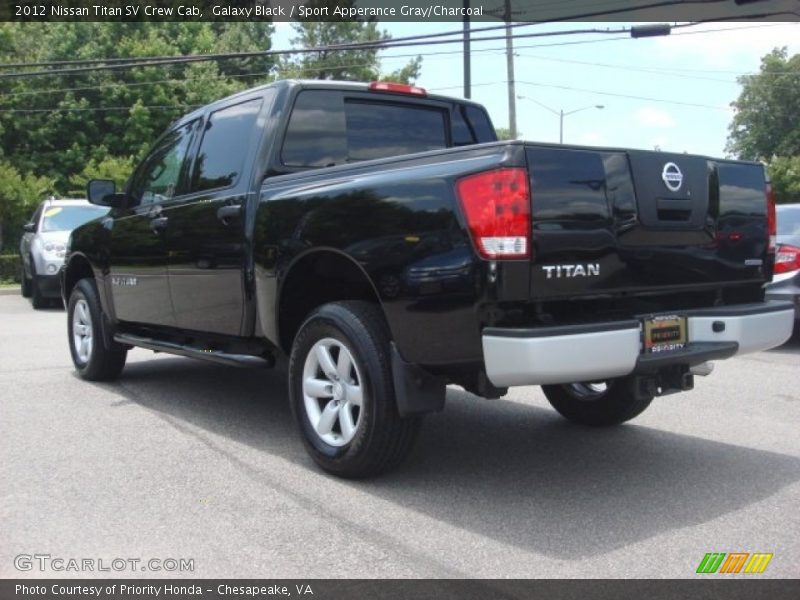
(398, 220)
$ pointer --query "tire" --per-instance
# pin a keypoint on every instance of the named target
(37, 299)
(598, 404)
(84, 315)
(348, 419)
(25, 284)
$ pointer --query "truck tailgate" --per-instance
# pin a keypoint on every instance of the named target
(613, 222)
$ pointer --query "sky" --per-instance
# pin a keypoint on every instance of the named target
(685, 82)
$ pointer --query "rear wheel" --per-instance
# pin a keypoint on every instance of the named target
(92, 359)
(599, 403)
(342, 393)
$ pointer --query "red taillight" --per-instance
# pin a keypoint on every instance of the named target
(772, 222)
(787, 259)
(397, 88)
(497, 207)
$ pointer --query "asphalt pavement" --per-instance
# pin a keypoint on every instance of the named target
(181, 459)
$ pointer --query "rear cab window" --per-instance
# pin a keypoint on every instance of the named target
(333, 127)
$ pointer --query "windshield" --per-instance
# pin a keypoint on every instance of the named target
(67, 218)
(789, 220)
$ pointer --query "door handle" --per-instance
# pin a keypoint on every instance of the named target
(228, 211)
(158, 224)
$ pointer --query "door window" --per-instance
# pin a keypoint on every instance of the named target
(158, 178)
(225, 145)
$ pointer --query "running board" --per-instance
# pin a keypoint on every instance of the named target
(223, 358)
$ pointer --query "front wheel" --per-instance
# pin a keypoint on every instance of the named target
(25, 284)
(37, 297)
(92, 359)
(599, 403)
(342, 393)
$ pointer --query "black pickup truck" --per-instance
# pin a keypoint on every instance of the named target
(389, 245)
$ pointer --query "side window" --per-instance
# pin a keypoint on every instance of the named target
(225, 145)
(158, 178)
(315, 135)
(480, 124)
(462, 132)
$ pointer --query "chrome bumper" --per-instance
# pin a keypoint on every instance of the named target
(595, 351)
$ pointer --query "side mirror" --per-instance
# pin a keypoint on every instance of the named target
(29, 227)
(102, 192)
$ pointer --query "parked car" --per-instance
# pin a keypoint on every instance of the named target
(786, 281)
(388, 244)
(43, 245)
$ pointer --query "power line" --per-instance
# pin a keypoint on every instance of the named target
(266, 74)
(592, 91)
(673, 70)
(233, 55)
(118, 63)
(440, 53)
(388, 43)
(653, 71)
(214, 57)
(619, 95)
(488, 83)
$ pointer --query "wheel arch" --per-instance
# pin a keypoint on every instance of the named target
(314, 278)
(78, 267)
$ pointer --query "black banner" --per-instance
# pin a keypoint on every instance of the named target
(395, 10)
(368, 589)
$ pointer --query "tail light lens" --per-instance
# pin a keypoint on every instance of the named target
(772, 222)
(787, 259)
(497, 207)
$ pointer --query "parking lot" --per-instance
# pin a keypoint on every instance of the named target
(182, 459)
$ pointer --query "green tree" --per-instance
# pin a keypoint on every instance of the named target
(116, 168)
(766, 125)
(784, 171)
(766, 122)
(346, 65)
(503, 133)
(56, 126)
(19, 195)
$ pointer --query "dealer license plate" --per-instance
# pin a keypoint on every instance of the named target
(664, 333)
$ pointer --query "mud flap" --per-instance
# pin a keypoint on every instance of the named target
(417, 391)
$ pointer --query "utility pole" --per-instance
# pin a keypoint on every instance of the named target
(467, 65)
(512, 94)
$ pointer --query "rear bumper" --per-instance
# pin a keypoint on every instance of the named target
(596, 351)
(786, 287)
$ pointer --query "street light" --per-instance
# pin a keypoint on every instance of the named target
(561, 114)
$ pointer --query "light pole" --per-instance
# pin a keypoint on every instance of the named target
(561, 114)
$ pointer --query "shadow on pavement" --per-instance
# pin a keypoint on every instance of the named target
(512, 472)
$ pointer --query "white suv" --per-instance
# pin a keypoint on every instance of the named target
(44, 243)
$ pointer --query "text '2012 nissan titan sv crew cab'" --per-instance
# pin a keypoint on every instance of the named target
(389, 245)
